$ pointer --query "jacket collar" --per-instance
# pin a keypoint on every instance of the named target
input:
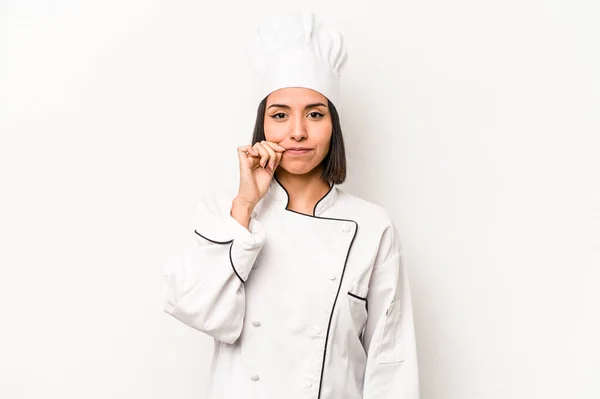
(278, 192)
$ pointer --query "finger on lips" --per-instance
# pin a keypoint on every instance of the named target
(269, 152)
(276, 147)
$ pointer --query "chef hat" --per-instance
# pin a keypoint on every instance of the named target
(296, 50)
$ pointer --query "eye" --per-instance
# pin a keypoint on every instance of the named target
(274, 116)
(316, 115)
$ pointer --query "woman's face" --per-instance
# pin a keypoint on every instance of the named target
(297, 117)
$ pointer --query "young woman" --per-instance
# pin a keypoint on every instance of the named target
(302, 285)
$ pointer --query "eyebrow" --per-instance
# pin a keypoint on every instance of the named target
(307, 106)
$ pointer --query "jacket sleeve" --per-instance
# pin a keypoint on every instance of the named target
(204, 278)
(389, 335)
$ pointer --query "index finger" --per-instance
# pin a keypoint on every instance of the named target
(275, 146)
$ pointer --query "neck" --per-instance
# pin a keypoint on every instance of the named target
(304, 191)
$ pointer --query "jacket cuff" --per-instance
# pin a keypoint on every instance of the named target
(246, 245)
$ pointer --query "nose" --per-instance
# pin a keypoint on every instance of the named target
(298, 129)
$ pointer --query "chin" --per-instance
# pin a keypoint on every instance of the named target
(298, 169)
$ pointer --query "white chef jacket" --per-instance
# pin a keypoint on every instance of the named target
(299, 306)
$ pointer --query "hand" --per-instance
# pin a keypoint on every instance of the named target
(257, 167)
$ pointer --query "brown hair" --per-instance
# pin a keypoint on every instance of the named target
(334, 163)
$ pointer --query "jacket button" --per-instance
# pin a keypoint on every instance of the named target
(308, 385)
(256, 323)
(315, 330)
(332, 277)
(254, 377)
(346, 228)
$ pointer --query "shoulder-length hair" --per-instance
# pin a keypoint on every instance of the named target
(334, 163)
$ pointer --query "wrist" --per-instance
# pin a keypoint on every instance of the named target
(243, 204)
(241, 211)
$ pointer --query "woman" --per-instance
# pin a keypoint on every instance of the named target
(302, 285)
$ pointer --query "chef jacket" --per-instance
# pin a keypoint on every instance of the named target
(300, 306)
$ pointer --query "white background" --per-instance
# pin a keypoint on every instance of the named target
(475, 123)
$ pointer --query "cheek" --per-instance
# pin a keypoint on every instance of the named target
(274, 132)
(323, 137)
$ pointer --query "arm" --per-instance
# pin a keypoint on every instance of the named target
(204, 281)
(389, 336)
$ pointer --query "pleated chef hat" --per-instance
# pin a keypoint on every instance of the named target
(296, 50)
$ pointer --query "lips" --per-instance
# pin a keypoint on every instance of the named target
(297, 150)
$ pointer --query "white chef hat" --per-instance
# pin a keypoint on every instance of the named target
(296, 50)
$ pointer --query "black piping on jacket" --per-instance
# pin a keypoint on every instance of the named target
(361, 298)
(357, 297)
(230, 258)
(341, 277)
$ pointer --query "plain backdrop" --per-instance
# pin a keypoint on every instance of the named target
(475, 123)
